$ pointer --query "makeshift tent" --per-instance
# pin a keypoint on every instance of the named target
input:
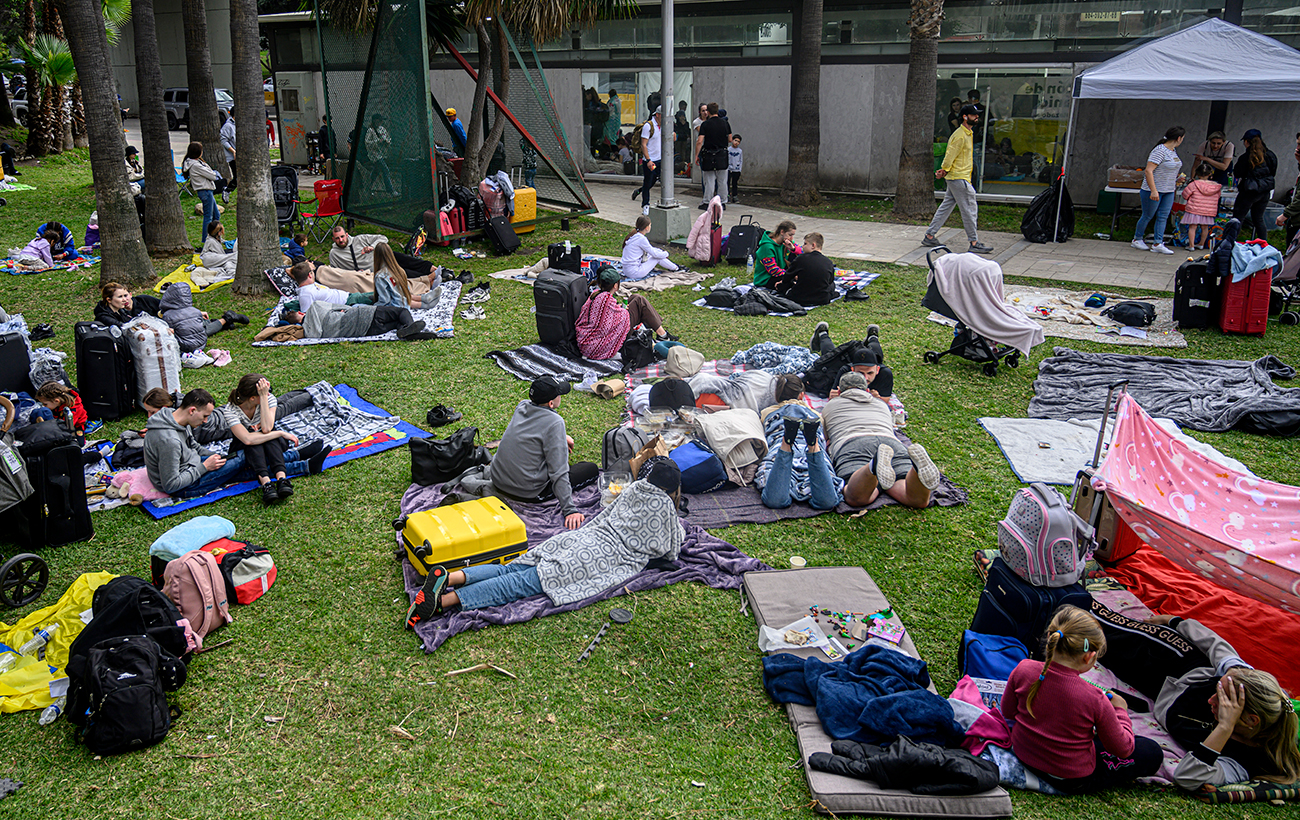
(1212, 60)
(1241, 532)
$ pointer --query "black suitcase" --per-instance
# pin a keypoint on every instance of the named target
(105, 371)
(560, 257)
(1196, 295)
(55, 514)
(559, 297)
(743, 240)
(15, 364)
(502, 235)
(1013, 607)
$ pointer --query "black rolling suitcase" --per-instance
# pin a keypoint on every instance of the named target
(1012, 607)
(55, 513)
(564, 256)
(502, 235)
(1196, 295)
(559, 297)
(105, 371)
(742, 241)
(15, 364)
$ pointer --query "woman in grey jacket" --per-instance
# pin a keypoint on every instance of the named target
(205, 181)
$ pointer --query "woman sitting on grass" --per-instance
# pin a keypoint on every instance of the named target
(603, 323)
(639, 527)
(118, 307)
(214, 256)
(392, 288)
(268, 452)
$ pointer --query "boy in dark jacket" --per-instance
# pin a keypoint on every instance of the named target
(810, 279)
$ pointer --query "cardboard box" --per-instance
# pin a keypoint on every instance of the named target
(1124, 176)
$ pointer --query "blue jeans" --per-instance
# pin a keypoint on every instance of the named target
(210, 213)
(1158, 209)
(233, 470)
(776, 493)
(496, 584)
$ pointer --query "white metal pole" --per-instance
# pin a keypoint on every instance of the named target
(1065, 166)
(667, 167)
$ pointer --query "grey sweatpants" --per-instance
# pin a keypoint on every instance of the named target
(715, 184)
(961, 194)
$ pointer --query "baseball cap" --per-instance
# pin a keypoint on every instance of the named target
(545, 388)
(1254, 132)
(665, 474)
(853, 380)
(970, 109)
(659, 110)
(864, 357)
(609, 275)
(673, 393)
(451, 112)
(883, 383)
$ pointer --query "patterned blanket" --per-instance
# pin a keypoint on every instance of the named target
(440, 319)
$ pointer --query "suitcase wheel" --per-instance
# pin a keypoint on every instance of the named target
(399, 523)
(23, 579)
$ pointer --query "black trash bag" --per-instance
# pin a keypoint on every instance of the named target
(1040, 219)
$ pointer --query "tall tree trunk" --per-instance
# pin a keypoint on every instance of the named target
(80, 137)
(125, 258)
(61, 133)
(37, 130)
(915, 197)
(470, 168)
(500, 79)
(259, 246)
(204, 126)
(801, 183)
(163, 211)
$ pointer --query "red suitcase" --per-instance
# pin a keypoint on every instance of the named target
(1244, 306)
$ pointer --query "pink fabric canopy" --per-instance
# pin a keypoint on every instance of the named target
(1241, 532)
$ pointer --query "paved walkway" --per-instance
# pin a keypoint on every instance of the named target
(1091, 261)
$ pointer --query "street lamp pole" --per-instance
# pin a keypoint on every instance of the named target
(667, 165)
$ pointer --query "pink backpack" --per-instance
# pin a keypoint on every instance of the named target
(194, 583)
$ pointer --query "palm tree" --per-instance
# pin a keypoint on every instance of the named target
(163, 211)
(915, 198)
(800, 185)
(37, 131)
(116, 15)
(259, 246)
(203, 97)
(54, 68)
(125, 258)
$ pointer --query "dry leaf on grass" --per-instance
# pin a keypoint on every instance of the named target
(551, 719)
(272, 718)
(399, 732)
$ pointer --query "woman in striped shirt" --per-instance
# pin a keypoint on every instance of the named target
(1161, 178)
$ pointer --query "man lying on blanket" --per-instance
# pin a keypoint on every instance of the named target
(356, 287)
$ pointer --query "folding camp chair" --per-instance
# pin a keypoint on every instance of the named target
(182, 182)
(327, 209)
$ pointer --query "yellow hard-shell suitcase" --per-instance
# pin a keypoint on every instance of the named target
(480, 531)
(525, 208)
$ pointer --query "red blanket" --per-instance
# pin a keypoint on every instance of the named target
(1263, 635)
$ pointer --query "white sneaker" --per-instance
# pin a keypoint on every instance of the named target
(926, 470)
(645, 210)
(1161, 249)
(1140, 245)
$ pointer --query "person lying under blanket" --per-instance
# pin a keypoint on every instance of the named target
(326, 321)
(641, 526)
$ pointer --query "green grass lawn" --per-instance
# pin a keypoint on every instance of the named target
(672, 698)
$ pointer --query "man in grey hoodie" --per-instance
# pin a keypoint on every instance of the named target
(176, 463)
(532, 461)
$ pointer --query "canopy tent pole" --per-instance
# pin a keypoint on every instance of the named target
(1065, 166)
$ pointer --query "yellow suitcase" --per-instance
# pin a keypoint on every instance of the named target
(481, 531)
(525, 208)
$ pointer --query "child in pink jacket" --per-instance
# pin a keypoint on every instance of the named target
(1202, 197)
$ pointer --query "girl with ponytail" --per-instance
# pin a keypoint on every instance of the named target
(1072, 734)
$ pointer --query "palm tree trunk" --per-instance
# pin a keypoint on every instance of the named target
(470, 168)
(204, 126)
(259, 246)
(501, 79)
(61, 129)
(915, 197)
(80, 138)
(29, 74)
(801, 183)
(163, 211)
(125, 258)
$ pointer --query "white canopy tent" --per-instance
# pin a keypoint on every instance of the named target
(1213, 60)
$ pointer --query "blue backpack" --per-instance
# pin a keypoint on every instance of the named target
(702, 470)
(989, 656)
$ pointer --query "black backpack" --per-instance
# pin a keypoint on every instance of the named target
(821, 376)
(117, 696)
(435, 460)
(638, 350)
(1133, 314)
(128, 605)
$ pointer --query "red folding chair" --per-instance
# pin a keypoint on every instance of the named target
(327, 208)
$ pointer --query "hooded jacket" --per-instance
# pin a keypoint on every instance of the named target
(177, 310)
(106, 315)
(172, 456)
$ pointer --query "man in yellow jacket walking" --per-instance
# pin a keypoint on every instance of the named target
(956, 170)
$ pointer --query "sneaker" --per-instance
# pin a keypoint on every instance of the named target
(810, 429)
(791, 431)
(94, 426)
(636, 192)
(1160, 248)
(701, 206)
(980, 247)
(233, 318)
(645, 210)
(407, 331)
(872, 331)
(930, 241)
(1140, 245)
(475, 312)
(668, 337)
(822, 329)
(466, 277)
(428, 601)
(883, 466)
(225, 198)
(442, 415)
(195, 359)
(270, 494)
(925, 467)
(284, 486)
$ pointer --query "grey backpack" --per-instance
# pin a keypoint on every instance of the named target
(1042, 540)
(619, 445)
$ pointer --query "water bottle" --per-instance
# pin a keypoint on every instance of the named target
(53, 712)
(8, 661)
(39, 639)
(749, 266)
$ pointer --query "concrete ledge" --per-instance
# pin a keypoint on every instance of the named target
(667, 224)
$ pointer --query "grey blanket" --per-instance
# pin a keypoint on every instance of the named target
(1204, 395)
(704, 558)
(531, 361)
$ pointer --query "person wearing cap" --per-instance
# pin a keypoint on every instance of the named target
(1255, 172)
(958, 162)
(134, 171)
(866, 454)
(651, 152)
(795, 469)
(641, 525)
(810, 279)
(603, 323)
(458, 136)
(532, 461)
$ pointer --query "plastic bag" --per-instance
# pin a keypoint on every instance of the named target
(770, 639)
(1041, 218)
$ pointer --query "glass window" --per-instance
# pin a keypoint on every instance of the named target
(605, 120)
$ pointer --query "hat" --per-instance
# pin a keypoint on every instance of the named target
(1095, 301)
(451, 112)
(968, 109)
(864, 357)
(131, 149)
(609, 275)
(545, 388)
(722, 112)
(853, 380)
(683, 362)
(672, 393)
(883, 383)
(659, 110)
(1254, 132)
(787, 386)
(664, 473)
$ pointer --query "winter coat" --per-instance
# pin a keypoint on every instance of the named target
(699, 244)
(172, 456)
(178, 311)
(921, 768)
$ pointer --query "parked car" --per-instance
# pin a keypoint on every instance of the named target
(18, 104)
(176, 102)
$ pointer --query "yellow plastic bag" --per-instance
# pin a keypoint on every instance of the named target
(27, 686)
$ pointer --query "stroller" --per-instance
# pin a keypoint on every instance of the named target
(993, 334)
(284, 190)
(1286, 284)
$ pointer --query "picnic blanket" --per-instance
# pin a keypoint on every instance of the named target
(354, 428)
(532, 361)
(71, 264)
(844, 281)
(439, 320)
(1212, 396)
(658, 280)
(704, 558)
(199, 278)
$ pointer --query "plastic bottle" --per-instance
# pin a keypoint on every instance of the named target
(8, 661)
(749, 266)
(53, 712)
(39, 639)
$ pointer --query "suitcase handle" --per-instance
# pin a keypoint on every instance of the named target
(1105, 418)
(750, 217)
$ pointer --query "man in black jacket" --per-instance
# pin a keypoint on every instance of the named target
(810, 279)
